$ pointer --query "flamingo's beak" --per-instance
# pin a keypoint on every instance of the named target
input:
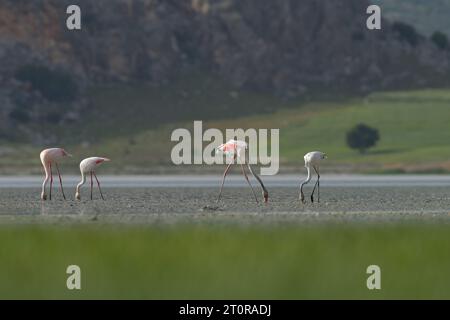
(266, 198)
(101, 160)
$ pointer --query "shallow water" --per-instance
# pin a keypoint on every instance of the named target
(176, 181)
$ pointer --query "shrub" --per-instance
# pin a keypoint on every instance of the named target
(19, 115)
(406, 33)
(362, 137)
(440, 39)
(53, 117)
(54, 85)
(358, 36)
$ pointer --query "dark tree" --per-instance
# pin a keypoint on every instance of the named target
(406, 33)
(440, 40)
(362, 137)
(54, 85)
(19, 115)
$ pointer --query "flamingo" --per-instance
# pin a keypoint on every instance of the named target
(89, 165)
(48, 157)
(235, 148)
(312, 159)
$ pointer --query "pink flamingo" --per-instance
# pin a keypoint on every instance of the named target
(49, 157)
(89, 165)
(236, 149)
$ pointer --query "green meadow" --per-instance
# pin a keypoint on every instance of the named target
(413, 125)
(200, 261)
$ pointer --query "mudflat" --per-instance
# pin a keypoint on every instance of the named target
(171, 204)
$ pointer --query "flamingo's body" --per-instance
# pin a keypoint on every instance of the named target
(88, 166)
(312, 160)
(236, 149)
(48, 158)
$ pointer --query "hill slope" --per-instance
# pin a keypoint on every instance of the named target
(413, 128)
(309, 46)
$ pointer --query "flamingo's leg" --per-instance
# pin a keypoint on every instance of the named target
(51, 183)
(316, 185)
(44, 185)
(60, 181)
(248, 181)
(98, 183)
(223, 180)
(92, 185)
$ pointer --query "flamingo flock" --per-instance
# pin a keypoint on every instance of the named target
(233, 149)
(50, 157)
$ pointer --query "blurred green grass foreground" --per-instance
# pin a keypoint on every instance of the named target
(226, 262)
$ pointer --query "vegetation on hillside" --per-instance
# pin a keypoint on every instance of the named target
(440, 39)
(406, 33)
(316, 46)
(54, 85)
(425, 16)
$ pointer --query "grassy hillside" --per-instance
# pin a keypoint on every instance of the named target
(221, 262)
(413, 126)
(414, 130)
(425, 16)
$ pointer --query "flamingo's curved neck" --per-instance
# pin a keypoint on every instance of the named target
(257, 178)
(308, 179)
(83, 180)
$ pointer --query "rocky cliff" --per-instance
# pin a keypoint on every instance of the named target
(288, 47)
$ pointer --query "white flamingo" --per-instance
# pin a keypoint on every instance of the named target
(312, 159)
(89, 165)
(236, 150)
(48, 158)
